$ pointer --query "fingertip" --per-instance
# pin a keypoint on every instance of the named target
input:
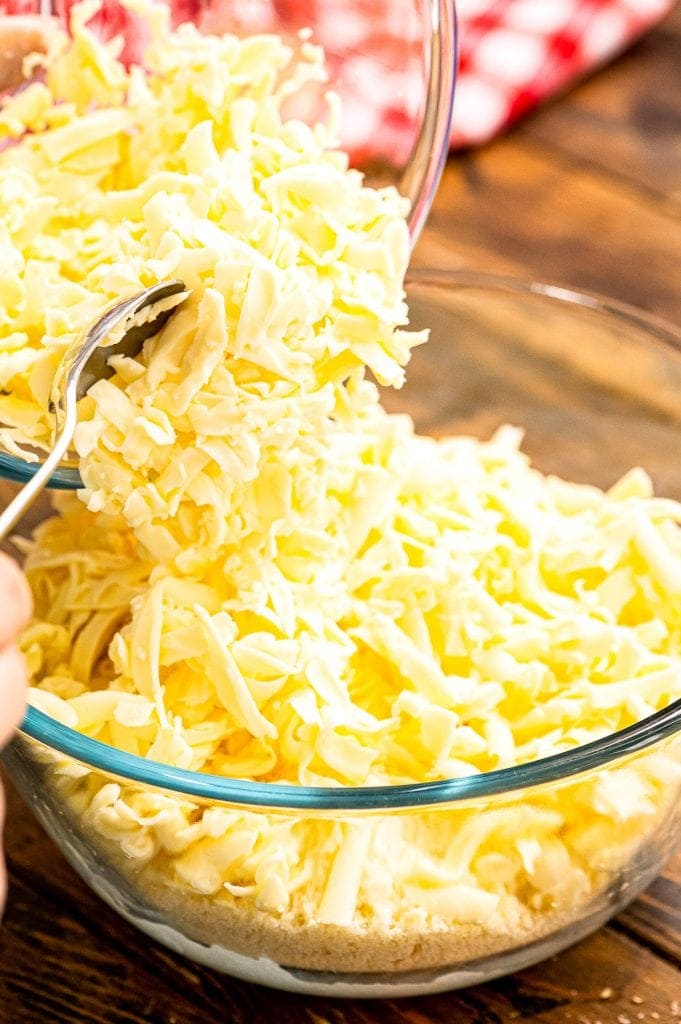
(16, 600)
(13, 685)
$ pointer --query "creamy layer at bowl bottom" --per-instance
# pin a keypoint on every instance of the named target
(386, 893)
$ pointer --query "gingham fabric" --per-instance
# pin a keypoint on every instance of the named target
(514, 54)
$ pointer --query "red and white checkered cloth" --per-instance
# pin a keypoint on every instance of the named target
(514, 54)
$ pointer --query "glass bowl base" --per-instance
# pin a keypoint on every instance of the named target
(263, 971)
(345, 985)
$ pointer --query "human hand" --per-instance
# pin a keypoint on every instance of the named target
(15, 610)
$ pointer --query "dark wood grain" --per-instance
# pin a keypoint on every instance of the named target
(588, 199)
(655, 918)
(586, 192)
(626, 122)
(517, 206)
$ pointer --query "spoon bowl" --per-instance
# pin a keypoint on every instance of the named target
(121, 331)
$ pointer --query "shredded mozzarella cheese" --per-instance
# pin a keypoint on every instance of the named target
(273, 578)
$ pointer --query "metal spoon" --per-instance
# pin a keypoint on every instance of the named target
(87, 361)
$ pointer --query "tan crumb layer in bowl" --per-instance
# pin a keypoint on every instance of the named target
(152, 890)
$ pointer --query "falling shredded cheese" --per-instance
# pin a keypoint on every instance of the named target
(269, 577)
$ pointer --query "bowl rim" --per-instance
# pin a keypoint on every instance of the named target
(556, 768)
(657, 326)
(131, 768)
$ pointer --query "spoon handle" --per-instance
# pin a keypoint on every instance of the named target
(20, 504)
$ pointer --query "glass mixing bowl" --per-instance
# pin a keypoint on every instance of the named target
(392, 63)
(595, 386)
(396, 84)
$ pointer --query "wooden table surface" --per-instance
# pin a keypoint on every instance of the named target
(587, 193)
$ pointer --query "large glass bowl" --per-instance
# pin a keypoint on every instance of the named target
(391, 61)
(403, 72)
(595, 385)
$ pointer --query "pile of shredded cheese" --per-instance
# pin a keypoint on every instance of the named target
(273, 578)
